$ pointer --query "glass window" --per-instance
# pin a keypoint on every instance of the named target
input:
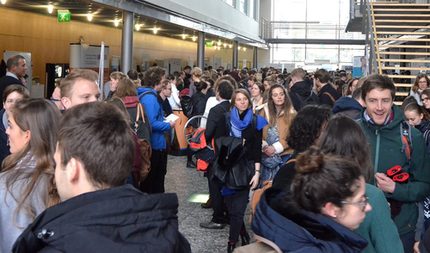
(230, 2)
(243, 6)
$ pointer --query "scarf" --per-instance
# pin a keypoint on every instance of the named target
(237, 124)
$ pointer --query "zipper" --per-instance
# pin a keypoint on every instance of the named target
(378, 142)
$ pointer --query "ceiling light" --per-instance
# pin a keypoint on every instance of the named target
(90, 17)
(194, 38)
(225, 45)
(155, 29)
(184, 36)
(50, 8)
(238, 48)
(3, 1)
(116, 22)
(219, 43)
(244, 49)
(137, 27)
(230, 46)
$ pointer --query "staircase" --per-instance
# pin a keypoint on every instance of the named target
(401, 36)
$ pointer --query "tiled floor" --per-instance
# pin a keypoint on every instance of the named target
(186, 182)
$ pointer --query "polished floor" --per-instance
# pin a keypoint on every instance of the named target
(192, 189)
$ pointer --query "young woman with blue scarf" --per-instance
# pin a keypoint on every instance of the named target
(241, 123)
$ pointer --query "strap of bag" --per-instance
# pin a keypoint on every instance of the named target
(139, 114)
(330, 96)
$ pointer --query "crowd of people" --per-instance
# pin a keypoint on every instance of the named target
(337, 166)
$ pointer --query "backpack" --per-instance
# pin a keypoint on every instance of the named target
(187, 106)
(203, 153)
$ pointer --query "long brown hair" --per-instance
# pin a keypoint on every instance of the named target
(41, 118)
(415, 86)
(287, 110)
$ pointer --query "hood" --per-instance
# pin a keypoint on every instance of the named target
(130, 101)
(424, 126)
(141, 90)
(346, 103)
(302, 88)
(120, 219)
(291, 229)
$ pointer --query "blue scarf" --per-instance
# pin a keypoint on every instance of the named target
(238, 125)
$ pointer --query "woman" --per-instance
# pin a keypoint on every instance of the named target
(304, 131)
(327, 201)
(242, 124)
(279, 112)
(351, 86)
(174, 101)
(115, 77)
(422, 82)
(11, 95)
(257, 91)
(26, 181)
(425, 99)
(418, 118)
(344, 137)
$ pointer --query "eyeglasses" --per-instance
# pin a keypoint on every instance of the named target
(362, 203)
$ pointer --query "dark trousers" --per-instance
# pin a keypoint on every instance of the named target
(217, 200)
(154, 183)
(236, 206)
(408, 241)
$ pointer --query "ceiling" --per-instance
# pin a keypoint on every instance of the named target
(106, 16)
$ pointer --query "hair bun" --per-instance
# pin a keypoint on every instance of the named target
(310, 161)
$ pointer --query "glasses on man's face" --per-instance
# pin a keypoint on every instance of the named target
(362, 203)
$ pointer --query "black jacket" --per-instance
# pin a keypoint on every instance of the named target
(328, 95)
(120, 219)
(216, 118)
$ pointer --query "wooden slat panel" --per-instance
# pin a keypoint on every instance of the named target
(398, 4)
(399, 103)
(405, 60)
(403, 85)
(407, 68)
(401, 10)
(403, 26)
(403, 33)
(403, 39)
(402, 94)
(401, 21)
(403, 46)
(412, 15)
(401, 76)
(406, 53)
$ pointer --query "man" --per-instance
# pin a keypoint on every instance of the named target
(16, 69)
(326, 93)
(383, 124)
(216, 118)
(148, 98)
(300, 90)
(351, 107)
(98, 213)
(78, 87)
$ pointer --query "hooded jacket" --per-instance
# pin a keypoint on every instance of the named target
(120, 219)
(293, 230)
(155, 114)
(349, 107)
(386, 146)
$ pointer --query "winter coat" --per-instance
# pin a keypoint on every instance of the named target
(155, 114)
(386, 147)
(120, 219)
(378, 228)
(291, 230)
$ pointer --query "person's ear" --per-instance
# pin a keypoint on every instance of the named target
(421, 116)
(67, 103)
(27, 136)
(73, 170)
(331, 210)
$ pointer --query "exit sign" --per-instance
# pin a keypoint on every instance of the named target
(64, 16)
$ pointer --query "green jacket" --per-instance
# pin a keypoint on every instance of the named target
(386, 145)
(378, 228)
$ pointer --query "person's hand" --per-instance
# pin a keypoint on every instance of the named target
(416, 247)
(269, 150)
(385, 183)
(172, 123)
(254, 180)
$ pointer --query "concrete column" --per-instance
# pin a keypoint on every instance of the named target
(201, 50)
(235, 62)
(255, 58)
(127, 41)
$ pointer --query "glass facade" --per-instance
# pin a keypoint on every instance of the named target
(313, 19)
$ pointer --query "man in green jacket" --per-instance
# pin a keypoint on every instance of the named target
(383, 125)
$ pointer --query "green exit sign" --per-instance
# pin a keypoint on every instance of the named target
(64, 16)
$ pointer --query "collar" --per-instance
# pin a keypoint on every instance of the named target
(387, 121)
(12, 75)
